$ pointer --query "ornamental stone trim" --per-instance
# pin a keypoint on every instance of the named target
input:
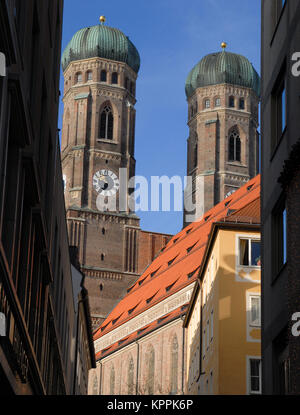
(148, 316)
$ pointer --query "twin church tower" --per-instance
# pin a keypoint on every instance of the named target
(100, 67)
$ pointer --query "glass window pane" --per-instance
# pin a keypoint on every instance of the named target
(284, 236)
(244, 252)
(255, 253)
(255, 304)
(283, 110)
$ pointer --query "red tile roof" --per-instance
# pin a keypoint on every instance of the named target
(174, 268)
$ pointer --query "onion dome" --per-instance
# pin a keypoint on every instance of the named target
(104, 42)
(222, 68)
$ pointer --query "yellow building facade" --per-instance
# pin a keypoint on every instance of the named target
(223, 324)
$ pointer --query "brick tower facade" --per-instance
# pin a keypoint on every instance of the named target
(97, 141)
(223, 144)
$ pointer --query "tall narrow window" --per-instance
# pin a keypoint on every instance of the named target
(78, 78)
(130, 377)
(150, 370)
(114, 78)
(231, 102)
(255, 376)
(103, 75)
(196, 155)
(234, 146)
(218, 102)
(89, 76)
(174, 366)
(279, 237)
(255, 310)
(106, 123)
(207, 103)
(278, 110)
(112, 381)
(242, 104)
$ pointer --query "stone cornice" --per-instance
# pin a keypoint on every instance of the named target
(148, 316)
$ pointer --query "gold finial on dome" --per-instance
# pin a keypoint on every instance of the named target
(102, 19)
(223, 45)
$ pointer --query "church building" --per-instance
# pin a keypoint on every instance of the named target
(141, 347)
(100, 67)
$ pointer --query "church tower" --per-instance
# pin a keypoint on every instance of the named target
(100, 67)
(223, 146)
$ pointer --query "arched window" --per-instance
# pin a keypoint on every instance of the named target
(106, 123)
(89, 76)
(174, 366)
(78, 78)
(234, 146)
(150, 371)
(95, 386)
(112, 381)
(103, 75)
(114, 78)
(130, 377)
(231, 102)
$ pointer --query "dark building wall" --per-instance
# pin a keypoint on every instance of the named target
(280, 130)
(37, 352)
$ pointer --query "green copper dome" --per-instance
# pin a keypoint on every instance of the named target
(103, 42)
(222, 68)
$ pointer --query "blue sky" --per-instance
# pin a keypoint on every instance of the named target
(171, 37)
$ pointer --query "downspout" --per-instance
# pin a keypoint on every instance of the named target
(201, 335)
(100, 379)
(183, 345)
(137, 369)
(76, 347)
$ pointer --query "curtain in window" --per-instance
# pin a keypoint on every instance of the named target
(244, 252)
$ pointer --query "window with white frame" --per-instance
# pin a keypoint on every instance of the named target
(255, 310)
(254, 372)
(249, 253)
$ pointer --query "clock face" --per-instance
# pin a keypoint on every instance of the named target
(106, 182)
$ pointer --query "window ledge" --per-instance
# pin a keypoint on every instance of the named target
(236, 163)
(103, 140)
